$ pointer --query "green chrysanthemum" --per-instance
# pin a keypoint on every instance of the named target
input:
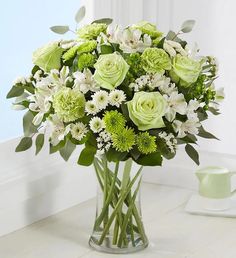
(114, 121)
(86, 60)
(123, 140)
(146, 143)
(69, 104)
(69, 54)
(91, 31)
(86, 47)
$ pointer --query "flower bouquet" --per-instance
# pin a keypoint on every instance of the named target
(129, 97)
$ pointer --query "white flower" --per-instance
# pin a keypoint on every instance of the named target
(78, 131)
(91, 108)
(103, 142)
(60, 78)
(131, 41)
(173, 47)
(176, 104)
(193, 105)
(220, 95)
(37, 75)
(170, 140)
(66, 44)
(101, 99)
(84, 81)
(116, 97)
(58, 130)
(114, 34)
(96, 124)
(190, 126)
(19, 80)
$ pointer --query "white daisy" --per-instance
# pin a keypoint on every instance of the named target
(101, 99)
(78, 131)
(96, 124)
(91, 108)
(116, 97)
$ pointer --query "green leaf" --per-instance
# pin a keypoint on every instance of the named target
(193, 154)
(104, 20)
(57, 147)
(28, 126)
(60, 29)
(80, 14)
(87, 156)
(39, 143)
(214, 111)
(187, 26)
(190, 138)
(15, 91)
(24, 144)
(106, 49)
(113, 155)
(35, 69)
(67, 150)
(153, 159)
(204, 134)
(202, 114)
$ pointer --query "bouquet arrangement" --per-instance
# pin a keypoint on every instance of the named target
(123, 94)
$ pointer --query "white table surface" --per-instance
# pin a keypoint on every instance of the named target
(172, 232)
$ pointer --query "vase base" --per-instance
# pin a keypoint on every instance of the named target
(108, 247)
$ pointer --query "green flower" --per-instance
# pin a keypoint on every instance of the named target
(69, 104)
(114, 121)
(186, 69)
(111, 70)
(86, 60)
(146, 143)
(86, 47)
(148, 28)
(48, 57)
(155, 60)
(91, 31)
(146, 110)
(69, 54)
(123, 140)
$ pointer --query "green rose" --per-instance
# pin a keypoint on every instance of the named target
(48, 57)
(69, 104)
(186, 69)
(148, 28)
(111, 70)
(91, 31)
(155, 60)
(146, 110)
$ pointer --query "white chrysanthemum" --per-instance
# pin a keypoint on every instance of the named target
(101, 99)
(96, 124)
(78, 131)
(91, 108)
(116, 97)
(103, 142)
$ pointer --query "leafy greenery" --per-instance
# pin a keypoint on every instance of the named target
(24, 144)
(39, 142)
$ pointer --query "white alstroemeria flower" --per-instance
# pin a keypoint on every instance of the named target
(84, 81)
(116, 97)
(78, 130)
(60, 78)
(114, 34)
(58, 130)
(193, 105)
(173, 47)
(162, 83)
(183, 128)
(176, 104)
(101, 99)
(131, 41)
(96, 124)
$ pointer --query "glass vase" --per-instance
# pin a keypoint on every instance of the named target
(118, 226)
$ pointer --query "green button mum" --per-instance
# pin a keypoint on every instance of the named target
(146, 143)
(69, 104)
(114, 121)
(146, 110)
(123, 140)
(155, 60)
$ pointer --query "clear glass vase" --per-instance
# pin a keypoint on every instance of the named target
(118, 226)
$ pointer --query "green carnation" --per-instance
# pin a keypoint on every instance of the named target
(155, 60)
(69, 104)
(91, 31)
(148, 28)
(123, 140)
(146, 110)
(86, 60)
(114, 121)
(146, 143)
(111, 70)
(86, 47)
(186, 69)
(48, 57)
